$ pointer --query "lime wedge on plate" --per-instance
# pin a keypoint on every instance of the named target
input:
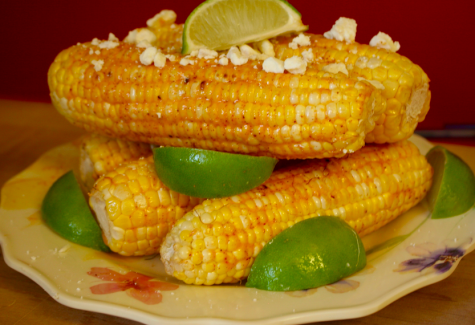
(66, 211)
(210, 174)
(453, 189)
(220, 24)
(311, 253)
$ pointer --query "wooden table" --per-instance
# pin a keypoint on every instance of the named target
(29, 129)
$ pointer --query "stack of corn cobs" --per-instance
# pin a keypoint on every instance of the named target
(348, 129)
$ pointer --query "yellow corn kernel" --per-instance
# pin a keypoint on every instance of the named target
(367, 189)
(141, 218)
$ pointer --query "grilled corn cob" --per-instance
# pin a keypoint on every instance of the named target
(135, 210)
(99, 155)
(218, 241)
(405, 86)
(211, 106)
(168, 35)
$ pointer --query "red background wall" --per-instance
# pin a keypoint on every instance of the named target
(437, 35)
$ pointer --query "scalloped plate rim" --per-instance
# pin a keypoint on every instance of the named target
(110, 308)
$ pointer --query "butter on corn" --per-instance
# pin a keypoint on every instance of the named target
(219, 239)
(135, 210)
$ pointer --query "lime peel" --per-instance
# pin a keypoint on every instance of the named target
(65, 210)
(210, 174)
(453, 188)
(220, 24)
(311, 253)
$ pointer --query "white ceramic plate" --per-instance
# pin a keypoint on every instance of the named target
(409, 253)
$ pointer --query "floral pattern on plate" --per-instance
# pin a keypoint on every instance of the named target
(432, 257)
(136, 285)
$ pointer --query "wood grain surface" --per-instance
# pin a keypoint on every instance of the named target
(29, 129)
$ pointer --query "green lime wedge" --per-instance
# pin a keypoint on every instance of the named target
(311, 253)
(220, 24)
(66, 211)
(453, 188)
(210, 174)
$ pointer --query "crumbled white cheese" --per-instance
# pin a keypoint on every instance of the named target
(170, 57)
(295, 65)
(301, 40)
(223, 61)
(194, 53)
(308, 55)
(159, 60)
(236, 57)
(266, 47)
(335, 68)
(207, 54)
(274, 65)
(111, 43)
(147, 56)
(97, 64)
(384, 41)
(139, 35)
(112, 38)
(97, 52)
(375, 83)
(91, 52)
(186, 61)
(344, 29)
(95, 41)
(163, 18)
(144, 44)
(251, 53)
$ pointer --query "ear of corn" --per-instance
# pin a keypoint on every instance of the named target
(218, 241)
(169, 37)
(135, 210)
(404, 85)
(207, 105)
(100, 155)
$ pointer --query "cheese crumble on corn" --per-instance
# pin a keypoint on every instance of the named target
(247, 108)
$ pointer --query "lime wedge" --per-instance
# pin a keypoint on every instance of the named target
(453, 188)
(65, 210)
(311, 253)
(210, 174)
(220, 24)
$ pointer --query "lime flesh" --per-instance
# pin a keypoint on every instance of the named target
(311, 253)
(65, 210)
(453, 189)
(210, 174)
(220, 24)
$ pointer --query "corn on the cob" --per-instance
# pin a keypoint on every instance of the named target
(218, 241)
(99, 155)
(161, 32)
(135, 210)
(211, 106)
(405, 86)
(169, 38)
